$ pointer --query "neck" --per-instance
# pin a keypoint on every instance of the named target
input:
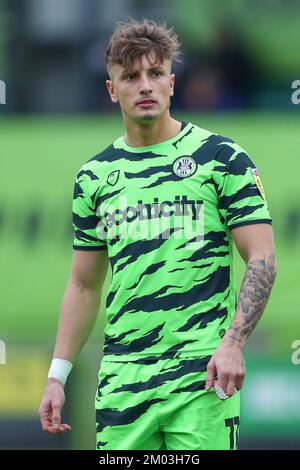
(150, 133)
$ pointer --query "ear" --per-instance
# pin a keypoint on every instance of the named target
(172, 84)
(111, 90)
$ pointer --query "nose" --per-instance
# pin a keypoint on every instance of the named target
(145, 86)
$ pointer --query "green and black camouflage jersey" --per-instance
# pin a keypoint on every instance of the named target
(164, 213)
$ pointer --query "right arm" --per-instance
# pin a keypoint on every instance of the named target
(81, 302)
(79, 311)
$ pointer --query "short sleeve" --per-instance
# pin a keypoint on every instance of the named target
(241, 194)
(88, 234)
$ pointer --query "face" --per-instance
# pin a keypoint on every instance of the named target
(143, 92)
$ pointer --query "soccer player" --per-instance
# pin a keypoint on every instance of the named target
(164, 204)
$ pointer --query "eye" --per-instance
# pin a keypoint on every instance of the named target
(157, 73)
(131, 77)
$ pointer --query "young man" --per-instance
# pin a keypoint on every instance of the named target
(163, 203)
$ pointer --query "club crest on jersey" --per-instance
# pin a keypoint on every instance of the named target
(256, 176)
(184, 166)
(113, 177)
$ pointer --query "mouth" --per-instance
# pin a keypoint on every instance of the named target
(146, 103)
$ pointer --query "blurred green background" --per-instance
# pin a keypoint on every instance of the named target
(50, 126)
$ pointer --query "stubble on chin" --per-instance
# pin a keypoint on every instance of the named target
(149, 117)
(146, 118)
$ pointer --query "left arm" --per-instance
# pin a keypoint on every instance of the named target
(255, 244)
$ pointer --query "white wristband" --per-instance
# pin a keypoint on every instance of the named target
(60, 369)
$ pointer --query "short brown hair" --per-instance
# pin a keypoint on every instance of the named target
(133, 39)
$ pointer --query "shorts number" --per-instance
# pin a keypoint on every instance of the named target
(230, 423)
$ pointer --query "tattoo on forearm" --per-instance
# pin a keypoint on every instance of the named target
(256, 287)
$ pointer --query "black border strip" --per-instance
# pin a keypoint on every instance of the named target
(251, 222)
(89, 248)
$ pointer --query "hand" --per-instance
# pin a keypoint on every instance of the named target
(51, 406)
(228, 365)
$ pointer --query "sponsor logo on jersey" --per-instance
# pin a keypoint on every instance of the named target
(184, 166)
(256, 176)
(113, 177)
(182, 217)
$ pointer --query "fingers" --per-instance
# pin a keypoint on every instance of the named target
(220, 392)
(225, 388)
(231, 383)
(223, 378)
(210, 376)
(50, 428)
(225, 372)
(239, 382)
(63, 428)
(240, 376)
(56, 421)
(227, 384)
(51, 420)
(45, 416)
(231, 388)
